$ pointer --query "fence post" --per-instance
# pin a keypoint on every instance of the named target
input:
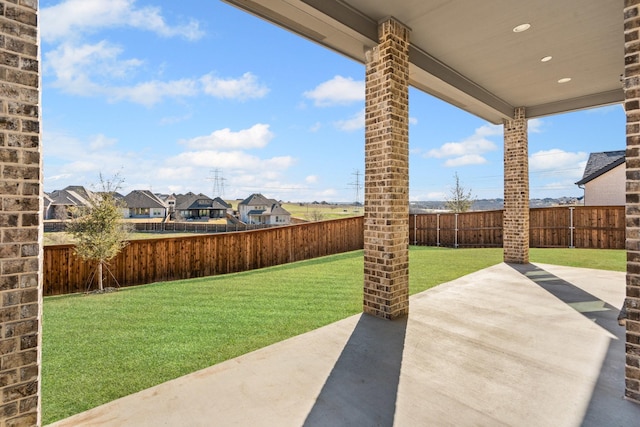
(415, 229)
(438, 230)
(571, 227)
(455, 244)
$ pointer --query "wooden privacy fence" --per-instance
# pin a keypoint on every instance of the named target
(154, 260)
(601, 227)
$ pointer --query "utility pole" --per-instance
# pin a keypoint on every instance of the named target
(356, 185)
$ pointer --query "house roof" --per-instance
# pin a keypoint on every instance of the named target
(221, 203)
(601, 163)
(143, 199)
(279, 210)
(194, 201)
(274, 209)
(73, 195)
(257, 199)
(467, 53)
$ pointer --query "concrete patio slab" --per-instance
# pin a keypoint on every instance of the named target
(512, 345)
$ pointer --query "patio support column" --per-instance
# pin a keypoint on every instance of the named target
(632, 210)
(386, 202)
(516, 189)
(20, 216)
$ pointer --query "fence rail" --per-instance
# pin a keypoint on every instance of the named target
(601, 227)
(153, 260)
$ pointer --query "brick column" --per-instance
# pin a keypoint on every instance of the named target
(632, 107)
(20, 220)
(386, 205)
(516, 189)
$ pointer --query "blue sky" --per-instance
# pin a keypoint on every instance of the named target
(165, 93)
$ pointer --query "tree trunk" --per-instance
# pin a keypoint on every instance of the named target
(100, 288)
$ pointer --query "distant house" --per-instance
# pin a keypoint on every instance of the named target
(604, 178)
(57, 204)
(257, 209)
(144, 204)
(198, 206)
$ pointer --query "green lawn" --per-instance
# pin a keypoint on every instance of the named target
(97, 348)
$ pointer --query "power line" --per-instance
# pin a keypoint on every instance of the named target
(356, 185)
(218, 183)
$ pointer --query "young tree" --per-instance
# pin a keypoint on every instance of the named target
(99, 231)
(461, 199)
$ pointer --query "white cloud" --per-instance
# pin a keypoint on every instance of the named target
(558, 163)
(535, 126)
(101, 141)
(311, 179)
(257, 136)
(413, 121)
(77, 66)
(354, 123)
(469, 150)
(245, 87)
(152, 92)
(72, 18)
(467, 159)
(237, 160)
(97, 70)
(316, 127)
(337, 91)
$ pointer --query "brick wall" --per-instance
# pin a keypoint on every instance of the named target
(386, 226)
(632, 107)
(516, 189)
(20, 251)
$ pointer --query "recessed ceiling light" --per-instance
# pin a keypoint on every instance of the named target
(564, 80)
(522, 27)
(546, 59)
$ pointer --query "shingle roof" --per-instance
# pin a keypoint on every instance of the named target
(257, 199)
(600, 163)
(279, 210)
(143, 199)
(73, 195)
(195, 201)
(223, 205)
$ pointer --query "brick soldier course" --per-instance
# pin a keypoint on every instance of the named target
(386, 212)
(516, 189)
(632, 108)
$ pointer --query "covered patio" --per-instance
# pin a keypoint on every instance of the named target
(506, 62)
(494, 348)
(520, 344)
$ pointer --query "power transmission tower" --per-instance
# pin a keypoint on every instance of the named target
(218, 183)
(356, 185)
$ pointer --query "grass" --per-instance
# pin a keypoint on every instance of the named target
(97, 348)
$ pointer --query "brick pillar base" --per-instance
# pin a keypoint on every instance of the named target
(516, 189)
(632, 107)
(386, 206)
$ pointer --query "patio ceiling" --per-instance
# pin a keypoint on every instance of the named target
(466, 52)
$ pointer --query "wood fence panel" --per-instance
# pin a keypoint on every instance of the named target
(479, 229)
(549, 227)
(599, 227)
(576, 226)
(172, 258)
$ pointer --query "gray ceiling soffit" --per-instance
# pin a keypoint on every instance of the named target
(277, 19)
(590, 101)
(348, 17)
(441, 71)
